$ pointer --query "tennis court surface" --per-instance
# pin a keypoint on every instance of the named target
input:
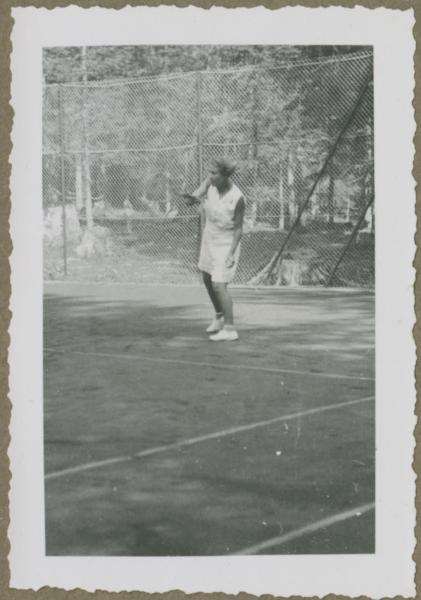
(161, 442)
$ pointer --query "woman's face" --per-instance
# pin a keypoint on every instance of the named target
(216, 178)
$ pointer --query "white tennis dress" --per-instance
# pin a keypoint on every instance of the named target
(218, 233)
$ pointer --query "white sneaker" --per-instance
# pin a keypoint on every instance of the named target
(225, 335)
(216, 325)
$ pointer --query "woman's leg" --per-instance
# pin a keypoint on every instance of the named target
(224, 301)
(212, 294)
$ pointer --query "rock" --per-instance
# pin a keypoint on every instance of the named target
(95, 242)
(365, 237)
(53, 225)
(99, 209)
(290, 273)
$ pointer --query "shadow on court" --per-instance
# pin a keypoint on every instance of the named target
(160, 442)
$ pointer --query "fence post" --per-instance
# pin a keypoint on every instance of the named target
(347, 245)
(199, 126)
(62, 175)
(86, 167)
(254, 142)
(319, 176)
(200, 223)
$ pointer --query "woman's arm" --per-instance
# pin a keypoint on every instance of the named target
(197, 195)
(202, 189)
(238, 230)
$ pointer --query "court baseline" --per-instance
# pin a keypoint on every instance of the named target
(302, 289)
(310, 528)
(225, 366)
(202, 438)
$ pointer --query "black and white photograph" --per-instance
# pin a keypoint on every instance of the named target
(229, 192)
(209, 236)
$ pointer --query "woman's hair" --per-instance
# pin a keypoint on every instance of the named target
(225, 167)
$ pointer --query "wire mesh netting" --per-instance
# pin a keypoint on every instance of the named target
(118, 156)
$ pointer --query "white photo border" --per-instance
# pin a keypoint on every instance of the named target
(390, 571)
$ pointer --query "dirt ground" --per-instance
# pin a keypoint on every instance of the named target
(160, 442)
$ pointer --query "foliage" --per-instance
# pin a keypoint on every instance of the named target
(277, 122)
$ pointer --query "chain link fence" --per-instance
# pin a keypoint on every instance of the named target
(117, 156)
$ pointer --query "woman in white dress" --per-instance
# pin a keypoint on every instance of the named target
(223, 209)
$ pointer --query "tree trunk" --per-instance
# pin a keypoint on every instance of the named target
(284, 212)
(79, 183)
(331, 198)
(291, 186)
(167, 193)
(86, 185)
(368, 192)
(348, 210)
(281, 200)
(331, 128)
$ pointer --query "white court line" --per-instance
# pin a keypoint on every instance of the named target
(302, 531)
(225, 366)
(202, 438)
(199, 285)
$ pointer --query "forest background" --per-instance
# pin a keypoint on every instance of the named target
(274, 110)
